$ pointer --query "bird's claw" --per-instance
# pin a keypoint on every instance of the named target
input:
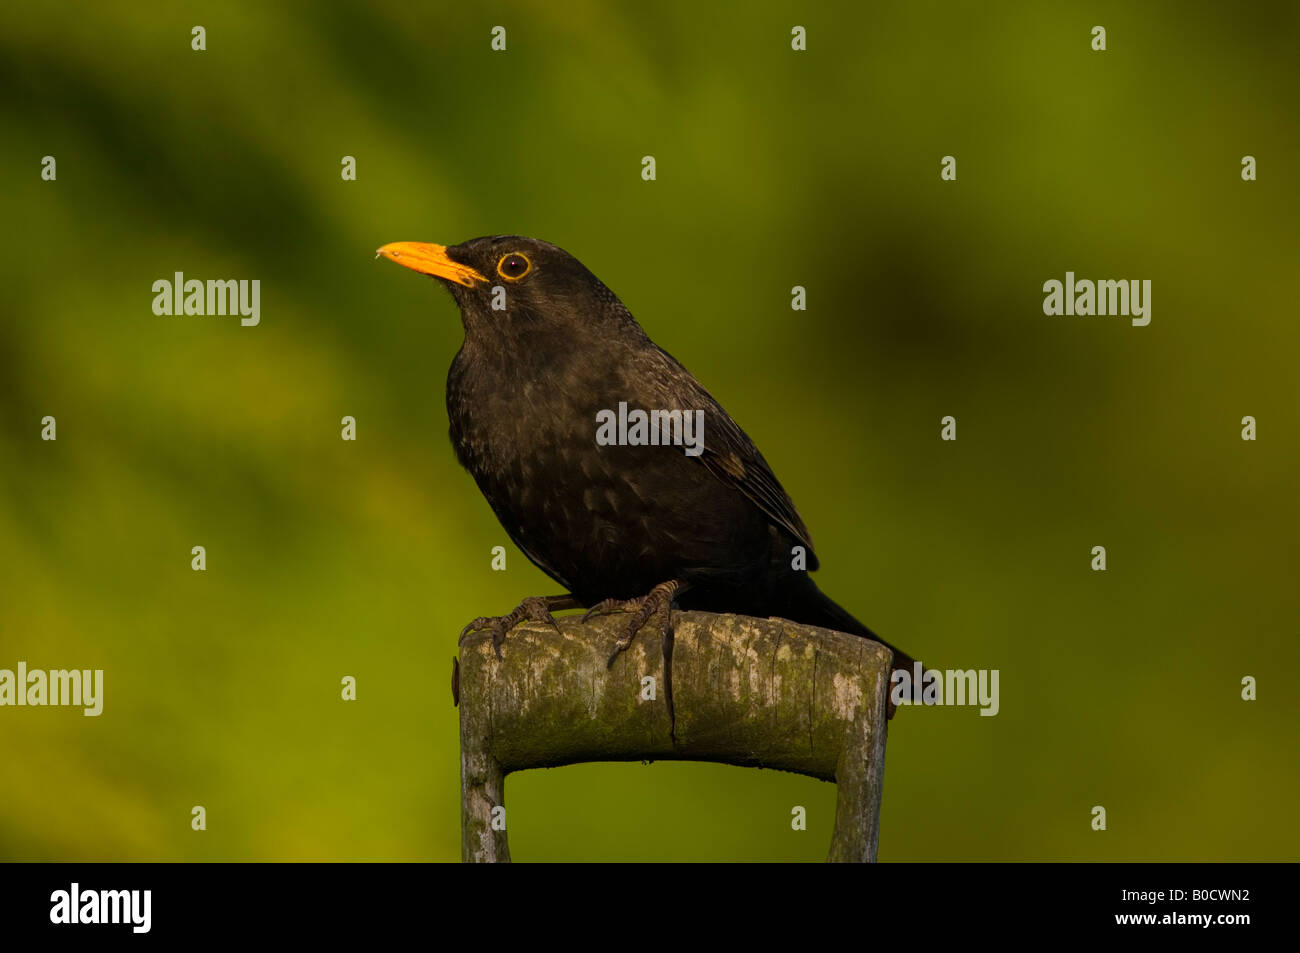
(533, 609)
(606, 606)
(659, 599)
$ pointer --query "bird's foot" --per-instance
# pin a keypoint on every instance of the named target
(659, 599)
(534, 609)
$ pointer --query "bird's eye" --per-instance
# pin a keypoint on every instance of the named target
(514, 266)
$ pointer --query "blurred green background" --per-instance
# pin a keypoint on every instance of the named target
(775, 168)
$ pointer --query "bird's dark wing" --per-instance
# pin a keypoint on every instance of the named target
(729, 454)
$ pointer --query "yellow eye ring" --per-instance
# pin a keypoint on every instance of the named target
(514, 260)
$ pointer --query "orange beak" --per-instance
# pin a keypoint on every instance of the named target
(430, 260)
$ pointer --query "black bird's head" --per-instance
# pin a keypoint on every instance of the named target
(511, 288)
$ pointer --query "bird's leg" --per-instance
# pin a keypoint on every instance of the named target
(660, 598)
(534, 608)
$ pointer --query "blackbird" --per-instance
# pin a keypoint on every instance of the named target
(638, 520)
